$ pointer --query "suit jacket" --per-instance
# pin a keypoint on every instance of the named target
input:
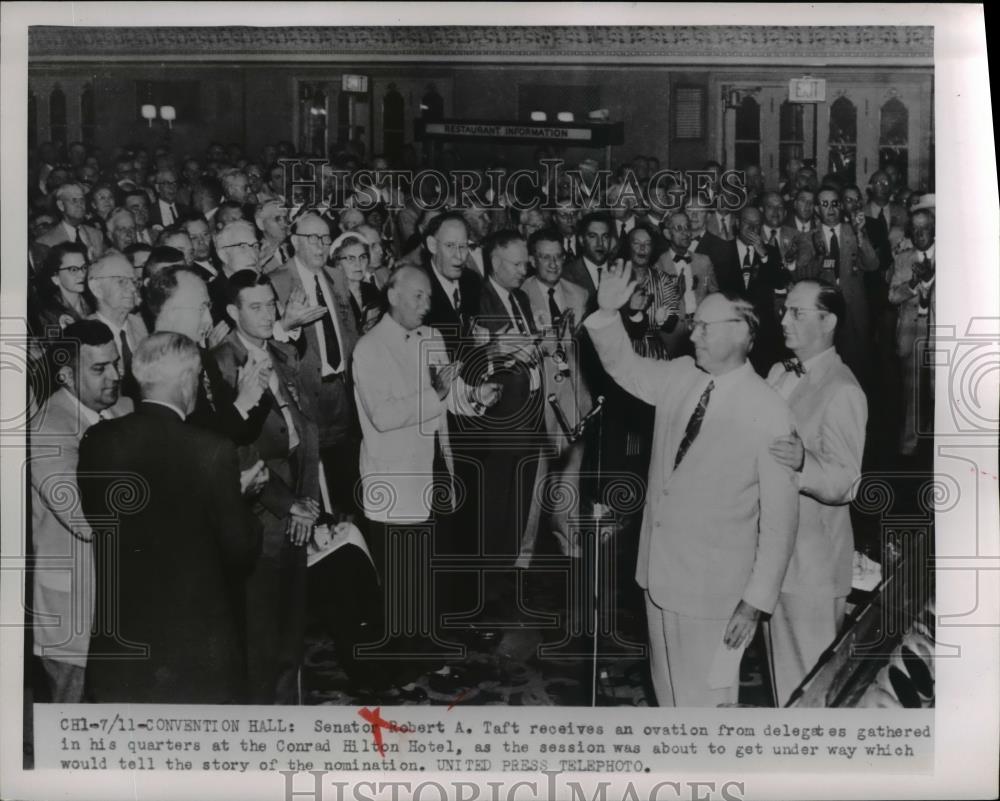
(566, 383)
(442, 314)
(292, 475)
(720, 527)
(135, 331)
(215, 410)
(909, 324)
(56, 235)
(181, 541)
(156, 216)
(766, 275)
(60, 534)
(574, 299)
(830, 413)
(401, 415)
(712, 226)
(854, 342)
(576, 271)
(329, 399)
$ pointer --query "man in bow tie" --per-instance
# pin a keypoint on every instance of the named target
(721, 511)
(824, 452)
(911, 291)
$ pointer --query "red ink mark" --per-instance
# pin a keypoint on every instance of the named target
(378, 723)
(458, 698)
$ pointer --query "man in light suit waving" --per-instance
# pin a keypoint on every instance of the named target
(824, 452)
(721, 512)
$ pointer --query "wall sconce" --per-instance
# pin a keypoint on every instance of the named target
(565, 116)
(149, 113)
(168, 114)
(731, 98)
(539, 116)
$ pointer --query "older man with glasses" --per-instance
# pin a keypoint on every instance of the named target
(113, 284)
(721, 510)
(316, 306)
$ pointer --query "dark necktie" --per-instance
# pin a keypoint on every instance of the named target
(173, 213)
(621, 231)
(724, 227)
(79, 237)
(600, 272)
(126, 354)
(516, 314)
(456, 298)
(834, 246)
(694, 424)
(747, 268)
(794, 365)
(329, 332)
(554, 312)
(773, 239)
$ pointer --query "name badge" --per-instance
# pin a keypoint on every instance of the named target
(829, 264)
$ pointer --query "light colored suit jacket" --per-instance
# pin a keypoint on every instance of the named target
(569, 388)
(401, 414)
(60, 534)
(830, 412)
(573, 297)
(721, 527)
(901, 294)
(56, 235)
(332, 420)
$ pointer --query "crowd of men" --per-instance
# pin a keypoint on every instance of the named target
(231, 376)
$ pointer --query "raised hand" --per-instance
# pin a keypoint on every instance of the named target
(616, 289)
(298, 312)
(251, 382)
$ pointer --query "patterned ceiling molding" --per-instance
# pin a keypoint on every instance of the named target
(904, 45)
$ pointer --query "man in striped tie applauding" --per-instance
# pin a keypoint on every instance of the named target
(721, 511)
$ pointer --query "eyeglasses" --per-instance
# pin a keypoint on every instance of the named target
(74, 269)
(701, 326)
(797, 311)
(829, 203)
(120, 280)
(317, 239)
(353, 259)
(252, 245)
(166, 183)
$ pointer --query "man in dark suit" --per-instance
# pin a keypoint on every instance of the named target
(842, 255)
(748, 268)
(595, 242)
(455, 287)
(166, 211)
(181, 542)
(177, 300)
(288, 505)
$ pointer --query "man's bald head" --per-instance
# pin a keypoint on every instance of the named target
(409, 294)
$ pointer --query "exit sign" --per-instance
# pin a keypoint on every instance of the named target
(807, 90)
(354, 83)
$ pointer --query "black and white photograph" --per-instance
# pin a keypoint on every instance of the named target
(404, 367)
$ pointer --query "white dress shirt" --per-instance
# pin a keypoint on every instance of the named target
(593, 269)
(450, 287)
(786, 386)
(505, 298)
(308, 279)
(116, 334)
(167, 213)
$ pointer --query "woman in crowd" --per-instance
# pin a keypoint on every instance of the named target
(349, 253)
(62, 296)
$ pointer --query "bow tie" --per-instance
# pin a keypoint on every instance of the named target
(794, 365)
(686, 258)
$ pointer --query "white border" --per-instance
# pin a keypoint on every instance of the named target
(967, 696)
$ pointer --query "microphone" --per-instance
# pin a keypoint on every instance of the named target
(561, 417)
(598, 408)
